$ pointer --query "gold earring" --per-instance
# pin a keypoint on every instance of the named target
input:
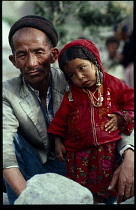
(98, 82)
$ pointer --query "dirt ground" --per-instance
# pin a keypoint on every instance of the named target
(129, 201)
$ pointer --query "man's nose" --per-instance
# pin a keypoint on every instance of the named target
(32, 61)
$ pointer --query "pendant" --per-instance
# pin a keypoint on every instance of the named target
(98, 104)
(100, 99)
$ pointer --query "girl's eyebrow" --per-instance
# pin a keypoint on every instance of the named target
(78, 66)
(81, 64)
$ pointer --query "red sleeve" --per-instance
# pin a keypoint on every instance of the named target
(59, 125)
(125, 100)
(128, 125)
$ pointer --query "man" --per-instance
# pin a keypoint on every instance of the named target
(29, 104)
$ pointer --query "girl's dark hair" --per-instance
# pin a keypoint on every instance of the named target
(76, 52)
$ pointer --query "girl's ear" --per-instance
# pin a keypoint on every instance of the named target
(54, 54)
(12, 59)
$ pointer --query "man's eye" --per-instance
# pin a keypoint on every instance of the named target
(39, 52)
(21, 55)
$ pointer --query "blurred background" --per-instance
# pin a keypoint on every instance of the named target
(93, 20)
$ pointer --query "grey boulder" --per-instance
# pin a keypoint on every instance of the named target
(51, 188)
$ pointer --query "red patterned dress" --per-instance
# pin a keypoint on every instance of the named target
(93, 168)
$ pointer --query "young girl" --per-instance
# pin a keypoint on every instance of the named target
(87, 125)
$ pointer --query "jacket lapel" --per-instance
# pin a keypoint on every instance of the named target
(57, 91)
(30, 105)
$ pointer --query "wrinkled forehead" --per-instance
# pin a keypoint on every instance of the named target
(29, 36)
(28, 31)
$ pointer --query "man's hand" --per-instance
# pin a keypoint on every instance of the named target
(15, 179)
(123, 177)
(114, 123)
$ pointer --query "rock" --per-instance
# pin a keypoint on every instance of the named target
(51, 188)
(128, 201)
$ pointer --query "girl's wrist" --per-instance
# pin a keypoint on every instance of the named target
(58, 140)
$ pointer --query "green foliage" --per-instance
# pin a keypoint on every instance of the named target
(92, 15)
(58, 13)
(106, 16)
(9, 20)
(114, 13)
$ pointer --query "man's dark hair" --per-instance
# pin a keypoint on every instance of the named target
(112, 39)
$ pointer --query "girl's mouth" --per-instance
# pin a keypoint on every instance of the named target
(86, 82)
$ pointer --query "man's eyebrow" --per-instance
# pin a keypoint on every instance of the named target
(19, 51)
(38, 49)
(23, 51)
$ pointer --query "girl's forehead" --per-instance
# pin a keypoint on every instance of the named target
(76, 63)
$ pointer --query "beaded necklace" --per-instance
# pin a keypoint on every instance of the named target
(97, 102)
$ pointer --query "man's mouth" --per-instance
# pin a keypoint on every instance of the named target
(35, 71)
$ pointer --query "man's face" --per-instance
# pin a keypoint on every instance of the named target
(32, 54)
(112, 49)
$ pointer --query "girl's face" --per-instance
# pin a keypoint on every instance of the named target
(81, 72)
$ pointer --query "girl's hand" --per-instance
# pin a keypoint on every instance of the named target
(114, 123)
(59, 149)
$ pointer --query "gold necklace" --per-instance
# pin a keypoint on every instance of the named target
(91, 96)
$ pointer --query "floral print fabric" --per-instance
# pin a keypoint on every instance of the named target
(93, 168)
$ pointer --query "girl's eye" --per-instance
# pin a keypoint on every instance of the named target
(71, 75)
(82, 67)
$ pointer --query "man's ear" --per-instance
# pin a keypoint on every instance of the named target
(54, 54)
(12, 59)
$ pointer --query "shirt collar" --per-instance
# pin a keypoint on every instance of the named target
(36, 91)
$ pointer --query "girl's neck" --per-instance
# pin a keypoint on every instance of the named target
(92, 88)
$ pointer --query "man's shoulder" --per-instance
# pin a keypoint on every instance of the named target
(58, 79)
(12, 83)
(56, 72)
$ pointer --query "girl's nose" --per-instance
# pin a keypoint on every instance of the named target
(80, 76)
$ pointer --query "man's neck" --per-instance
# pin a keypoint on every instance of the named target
(41, 86)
